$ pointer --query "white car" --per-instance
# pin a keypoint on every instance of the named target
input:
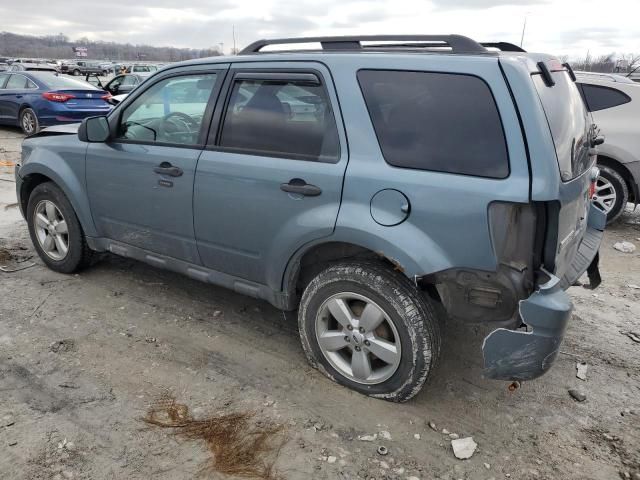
(615, 106)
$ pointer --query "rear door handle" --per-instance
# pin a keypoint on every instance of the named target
(299, 186)
(165, 168)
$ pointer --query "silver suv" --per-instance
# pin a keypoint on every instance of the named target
(368, 183)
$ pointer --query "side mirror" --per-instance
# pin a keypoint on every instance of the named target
(94, 130)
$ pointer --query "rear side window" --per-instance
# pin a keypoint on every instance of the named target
(17, 82)
(436, 121)
(601, 98)
(281, 118)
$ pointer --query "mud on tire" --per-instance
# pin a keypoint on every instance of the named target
(412, 313)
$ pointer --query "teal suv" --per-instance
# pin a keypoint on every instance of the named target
(374, 185)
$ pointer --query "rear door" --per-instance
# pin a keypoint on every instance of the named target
(571, 126)
(4, 111)
(12, 95)
(271, 178)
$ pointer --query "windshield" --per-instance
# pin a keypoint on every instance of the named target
(51, 80)
(569, 122)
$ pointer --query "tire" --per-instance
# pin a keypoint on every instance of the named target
(610, 182)
(76, 73)
(29, 122)
(78, 254)
(410, 322)
(105, 73)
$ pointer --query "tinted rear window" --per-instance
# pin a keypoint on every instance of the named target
(601, 98)
(569, 123)
(436, 121)
(58, 82)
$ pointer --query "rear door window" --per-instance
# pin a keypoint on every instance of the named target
(281, 118)
(436, 121)
(600, 98)
(569, 122)
(17, 82)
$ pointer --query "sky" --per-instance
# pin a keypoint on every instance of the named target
(560, 27)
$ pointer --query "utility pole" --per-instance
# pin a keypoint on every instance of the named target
(233, 31)
(524, 26)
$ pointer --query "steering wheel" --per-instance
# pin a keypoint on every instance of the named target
(176, 122)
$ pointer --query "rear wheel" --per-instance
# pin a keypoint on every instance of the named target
(611, 194)
(76, 73)
(55, 230)
(29, 122)
(367, 327)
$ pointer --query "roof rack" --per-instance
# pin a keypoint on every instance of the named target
(456, 43)
(503, 46)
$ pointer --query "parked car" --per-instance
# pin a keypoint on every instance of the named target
(32, 100)
(122, 84)
(82, 67)
(31, 67)
(452, 181)
(615, 106)
(144, 69)
(4, 67)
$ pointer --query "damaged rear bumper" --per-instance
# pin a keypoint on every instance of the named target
(518, 355)
(525, 355)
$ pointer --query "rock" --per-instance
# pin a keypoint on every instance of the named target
(384, 435)
(416, 436)
(624, 247)
(454, 436)
(582, 370)
(368, 438)
(399, 470)
(464, 448)
(487, 466)
(432, 426)
(412, 478)
(384, 465)
(633, 286)
(577, 395)
(331, 459)
(445, 431)
(7, 421)
(12, 443)
(217, 313)
(66, 345)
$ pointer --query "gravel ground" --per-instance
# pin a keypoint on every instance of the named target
(82, 357)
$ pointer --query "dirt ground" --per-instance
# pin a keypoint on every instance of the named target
(83, 356)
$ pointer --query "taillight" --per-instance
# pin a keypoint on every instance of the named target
(58, 97)
(106, 97)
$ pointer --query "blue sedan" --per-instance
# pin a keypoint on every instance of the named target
(32, 100)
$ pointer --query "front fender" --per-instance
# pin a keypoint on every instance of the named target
(64, 163)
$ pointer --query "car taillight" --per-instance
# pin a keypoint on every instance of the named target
(57, 97)
(106, 97)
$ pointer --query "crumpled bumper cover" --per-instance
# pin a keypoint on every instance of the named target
(519, 355)
(525, 355)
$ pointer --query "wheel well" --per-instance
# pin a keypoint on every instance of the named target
(624, 173)
(29, 183)
(320, 256)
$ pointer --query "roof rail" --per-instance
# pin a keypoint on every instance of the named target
(503, 46)
(457, 43)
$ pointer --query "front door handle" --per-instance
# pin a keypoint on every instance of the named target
(299, 186)
(165, 168)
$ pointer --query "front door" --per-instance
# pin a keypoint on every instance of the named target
(140, 183)
(272, 180)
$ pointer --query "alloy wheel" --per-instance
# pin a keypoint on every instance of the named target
(605, 196)
(51, 230)
(358, 338)
(28, 122)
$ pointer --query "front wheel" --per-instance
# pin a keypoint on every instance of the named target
(369, 328)
(76, 73)
(55, 230)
